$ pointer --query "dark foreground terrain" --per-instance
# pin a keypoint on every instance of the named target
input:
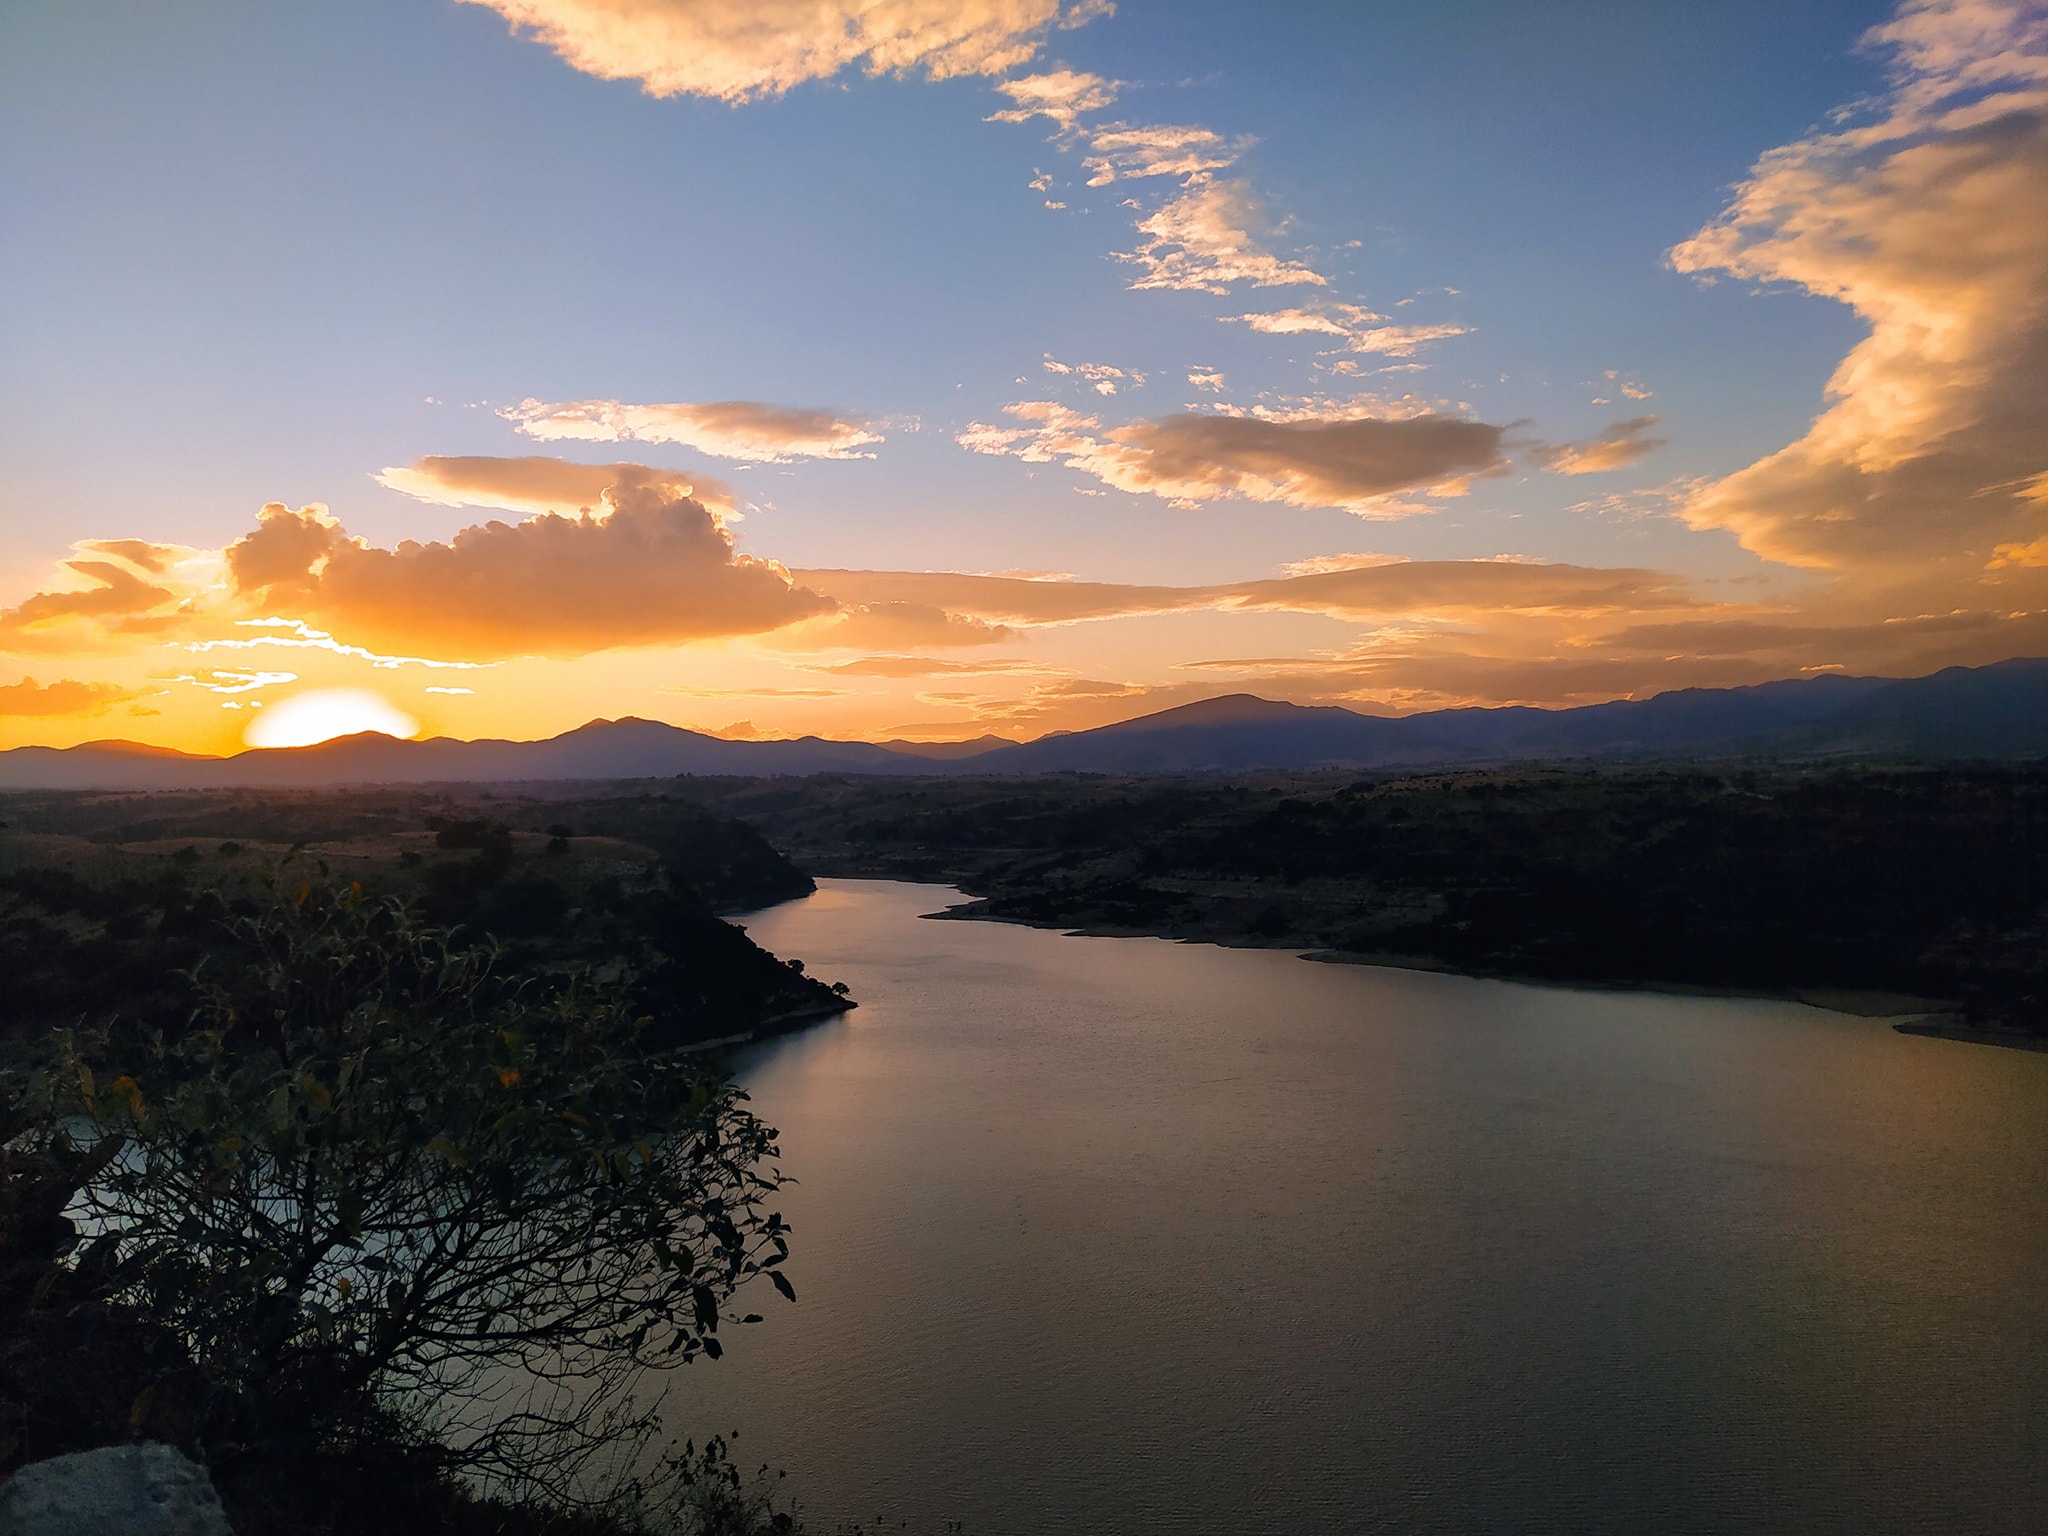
(209, 981)
(106, 898)
(1926, 882)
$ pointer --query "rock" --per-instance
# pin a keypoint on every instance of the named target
(121, 1490)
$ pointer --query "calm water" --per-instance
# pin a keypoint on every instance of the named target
(1122, 1235)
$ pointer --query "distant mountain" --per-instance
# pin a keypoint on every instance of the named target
(1237, 733)
(950, 751)
(603, 749)
(1999, 711)
(1993, 712)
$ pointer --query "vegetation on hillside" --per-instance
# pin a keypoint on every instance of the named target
(104, 896)
(1926, 882)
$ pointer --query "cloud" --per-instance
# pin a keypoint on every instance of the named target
(726, 429)
(1061, 94)
(1127, 152)
(893, 623)
(1926, 212)
(927, 666)
(1202, 242)
(538, 484)
(1360, 329)
(1319, 565)
(1623, 443)
(101, 599)
(297, 635)
(1207, 379)
(1003, 599)
(687, 691)
(1382, 591)
(65, 697)
(745, 52)
(657, 567)
(156, 559)
(1101, 376)
(1348, 462)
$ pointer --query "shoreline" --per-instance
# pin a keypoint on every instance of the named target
(1949, 1027)
(1930, 1018)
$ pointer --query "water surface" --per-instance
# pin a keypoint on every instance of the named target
(1126, 1235)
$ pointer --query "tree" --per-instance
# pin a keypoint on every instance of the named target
(390, 1200)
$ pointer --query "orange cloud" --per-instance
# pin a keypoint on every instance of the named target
(1359, 328)
(739, 53)
(1349, 462)
(927, 666)
(66, 697)
(727, 429)
(894, 624)
(1623, 443)
(1060, 94)
(1386, 590)
(658, 567)
(1203, 242)
(537, 483)
(114, 601)
(1928, 215)
(1124, 151)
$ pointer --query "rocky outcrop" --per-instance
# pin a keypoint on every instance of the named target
(121, 1490)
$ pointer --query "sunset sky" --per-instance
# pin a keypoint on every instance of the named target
(928, 368)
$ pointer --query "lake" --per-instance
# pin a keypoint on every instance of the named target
(1123, 1235)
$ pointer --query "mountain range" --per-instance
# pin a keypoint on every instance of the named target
(1996, 712)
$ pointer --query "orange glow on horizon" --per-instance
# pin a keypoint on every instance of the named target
(325, 713)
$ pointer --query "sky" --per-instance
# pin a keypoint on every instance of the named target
(937, 368)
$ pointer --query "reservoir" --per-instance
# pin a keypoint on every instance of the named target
(1123, 1235)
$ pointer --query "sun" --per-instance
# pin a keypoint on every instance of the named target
(323, 714)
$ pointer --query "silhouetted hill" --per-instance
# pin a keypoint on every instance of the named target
(1994, 712)
(1237, 733)
(1999, 711)
(603, 749)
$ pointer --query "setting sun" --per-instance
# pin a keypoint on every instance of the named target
(325, 713)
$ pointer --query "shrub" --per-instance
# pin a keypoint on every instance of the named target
(393, 1205)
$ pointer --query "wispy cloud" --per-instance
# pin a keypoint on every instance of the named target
(297, 635)
(726, 429)
(929, 666)
(744, 52)
(1619, 445)
(1359, 328)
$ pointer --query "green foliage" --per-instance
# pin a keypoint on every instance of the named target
(386, 1198)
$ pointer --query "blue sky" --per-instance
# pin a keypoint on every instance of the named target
(257, 254)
